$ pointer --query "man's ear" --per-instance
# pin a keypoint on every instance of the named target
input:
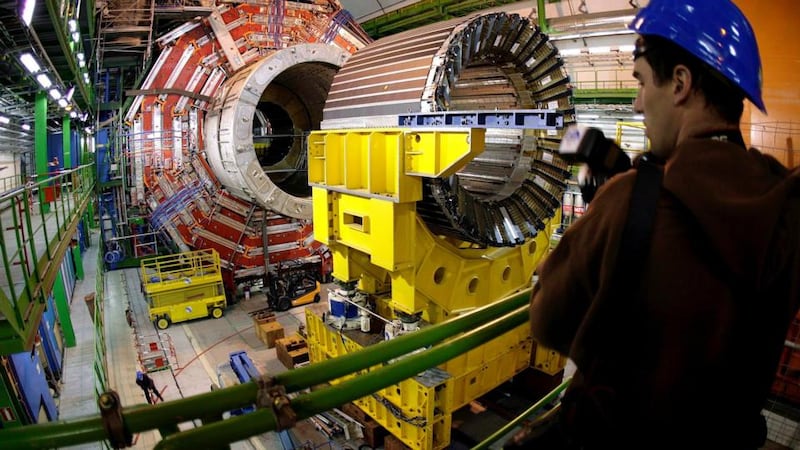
(682, 84)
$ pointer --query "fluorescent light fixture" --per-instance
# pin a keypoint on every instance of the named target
(70, 93)
(627, 48)
(63, 103)
(30, 63)
(600, 49)
(4, 119)
(26, 127)
(84, 116)
(27, 11)
(86, 77)
(638, 117)
(570, 52)
(73, 114)
(55, 93)
(44, 80)
(81, 63)
(76, 36)
(73, 25)
(81, 57)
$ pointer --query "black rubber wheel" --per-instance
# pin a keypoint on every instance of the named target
(284, 304)
(162, 322)
(317, 298)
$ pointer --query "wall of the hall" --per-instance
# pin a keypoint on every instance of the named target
(775, 24)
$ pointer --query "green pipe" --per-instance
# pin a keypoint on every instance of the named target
(220, 433)
(517, 420)
(365, 384)
(540, 10)
(306, 405)
(321, 372)
(143, 418)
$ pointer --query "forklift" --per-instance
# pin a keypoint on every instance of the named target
(293, 284)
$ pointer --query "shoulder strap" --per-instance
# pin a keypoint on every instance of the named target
(638, 229)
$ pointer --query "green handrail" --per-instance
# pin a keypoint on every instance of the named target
(145, 417)
(494, 437)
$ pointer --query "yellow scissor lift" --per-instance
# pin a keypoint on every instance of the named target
(183, 286)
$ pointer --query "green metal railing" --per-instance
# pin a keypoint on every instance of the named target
(276, 410)
(37, 223)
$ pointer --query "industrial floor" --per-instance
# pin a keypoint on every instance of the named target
(194, 351)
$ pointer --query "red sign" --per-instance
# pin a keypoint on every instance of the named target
(7, 414)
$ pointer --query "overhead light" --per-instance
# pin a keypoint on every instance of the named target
(26, 127)
(4, 119)
(570, 52)
(86, 77)
(73, 25)
(27, 11)
(63, 103)
(30, 63)
(44, 81)
(600, 49)
(73, 114)
(80, 56)
(55, 93)
(76, 36)
(70, 93)
(81, 63)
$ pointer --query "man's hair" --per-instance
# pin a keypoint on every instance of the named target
(723, 97)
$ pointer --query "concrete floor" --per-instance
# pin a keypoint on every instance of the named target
(195, 350)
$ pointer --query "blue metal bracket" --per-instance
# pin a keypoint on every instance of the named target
(536, 119)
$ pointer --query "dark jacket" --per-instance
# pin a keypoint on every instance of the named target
(698, 348)
(146, 382)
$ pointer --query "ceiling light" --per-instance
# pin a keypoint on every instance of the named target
(27, 11)
(44, 80)
(55, 93)
(4, 119)
(80, 56)
(73, 114)
(30, 63)
(70, 92)
(82, 63)
(73, 25)
(26, 127)
(76, 36)
(63, 103)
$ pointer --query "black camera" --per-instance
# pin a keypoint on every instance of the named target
(604, 158)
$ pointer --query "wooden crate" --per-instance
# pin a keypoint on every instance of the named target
(259, 319)
(392, 443)
(270, 332)
(292, 351)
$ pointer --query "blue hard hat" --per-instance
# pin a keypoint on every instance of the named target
(139, 375)
(715, 31)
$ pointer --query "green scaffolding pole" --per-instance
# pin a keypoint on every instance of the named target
(481, 325)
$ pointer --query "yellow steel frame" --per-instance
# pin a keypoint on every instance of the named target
(365, 185)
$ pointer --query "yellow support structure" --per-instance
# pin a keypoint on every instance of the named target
(365, 185)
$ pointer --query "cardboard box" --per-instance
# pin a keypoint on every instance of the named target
(270, 332)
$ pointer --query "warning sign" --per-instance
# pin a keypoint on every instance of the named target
(7, 414)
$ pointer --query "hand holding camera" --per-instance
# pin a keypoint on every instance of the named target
(599, 157)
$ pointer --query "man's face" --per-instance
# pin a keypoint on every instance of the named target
(656, 104)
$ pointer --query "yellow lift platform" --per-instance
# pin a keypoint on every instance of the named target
(183, 286)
